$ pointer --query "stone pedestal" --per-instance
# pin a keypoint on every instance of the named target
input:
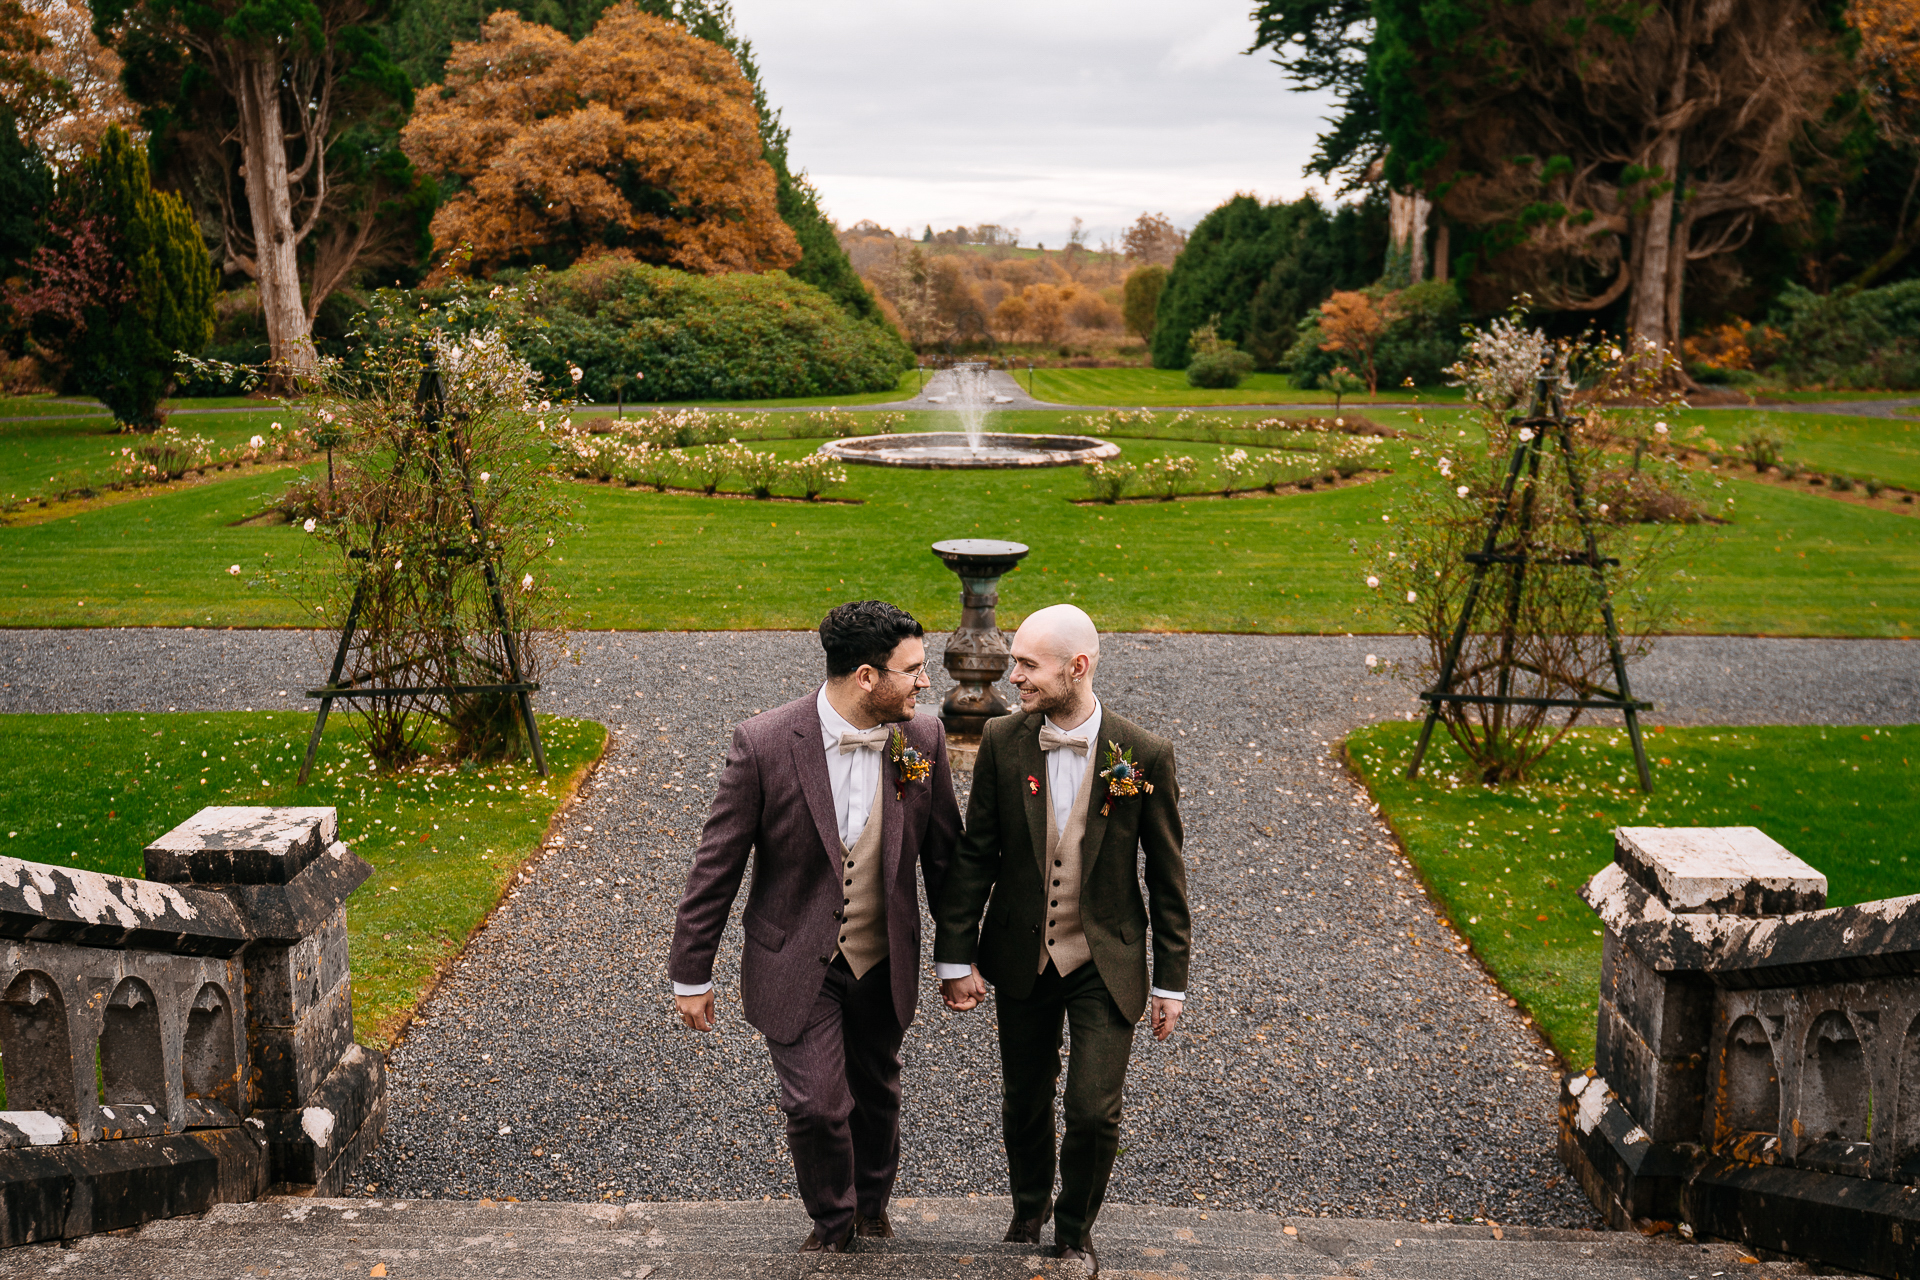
(316, 1098)
(977, 652)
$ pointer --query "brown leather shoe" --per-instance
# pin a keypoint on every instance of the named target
(1026, 1230)
(814, 1244)
(879, 1228)
(1083, 1254)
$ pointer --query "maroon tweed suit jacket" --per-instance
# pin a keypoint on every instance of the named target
(775, 801)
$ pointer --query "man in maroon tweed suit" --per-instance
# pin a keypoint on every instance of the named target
(835, 795)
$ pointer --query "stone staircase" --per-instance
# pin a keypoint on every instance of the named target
(290, 1238)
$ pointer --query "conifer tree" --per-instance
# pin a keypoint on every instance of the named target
(164, 302)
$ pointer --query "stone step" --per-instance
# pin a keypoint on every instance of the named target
(291, 1238)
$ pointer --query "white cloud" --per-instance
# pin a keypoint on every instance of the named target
(1030, 114)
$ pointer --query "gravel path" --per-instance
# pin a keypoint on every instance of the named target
(1338, 1056)
(1691, 679)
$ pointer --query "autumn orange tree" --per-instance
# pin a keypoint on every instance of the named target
(1353, 323)
(640, 137)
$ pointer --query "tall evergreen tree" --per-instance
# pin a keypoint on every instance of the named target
(26, 187)
(164, 303)
(1255, 269)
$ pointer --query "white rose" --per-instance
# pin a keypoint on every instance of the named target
(526, 583)
(1411, 597)
(485, 476)
(311, 524)
(257, 441)
(234, 569)
(1372, 581)
(1461, 492)
(1372, 661)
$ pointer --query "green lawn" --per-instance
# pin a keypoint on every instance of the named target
(1292, 563)
(92, 790)
(1156, 387)
(1507, 864)
(1884, 448)
(51, 455)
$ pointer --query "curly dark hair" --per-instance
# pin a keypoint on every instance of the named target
(864, 633)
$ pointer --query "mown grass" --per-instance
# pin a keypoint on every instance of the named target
(52, 454)
(1886, 449)
(1506, 864)
(1155, 387)
(1790, 563)
(91, 791)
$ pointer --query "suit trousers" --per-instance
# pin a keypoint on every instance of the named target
(1030, 1037)
(840, 1090)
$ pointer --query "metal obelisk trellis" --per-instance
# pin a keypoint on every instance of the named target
(1548, 420)
(431, 403)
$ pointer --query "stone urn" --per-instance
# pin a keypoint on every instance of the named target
(977, 652)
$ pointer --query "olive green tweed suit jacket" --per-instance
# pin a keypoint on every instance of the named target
(1000, 866)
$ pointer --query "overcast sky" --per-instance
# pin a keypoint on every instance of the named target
(1027, 113)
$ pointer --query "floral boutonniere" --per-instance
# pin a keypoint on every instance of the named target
(912, 766)
(1033, 785)
(1123, 776)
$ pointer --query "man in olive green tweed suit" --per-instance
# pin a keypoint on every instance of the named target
(1066, 794)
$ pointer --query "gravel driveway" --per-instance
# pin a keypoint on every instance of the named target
(1337, 1056)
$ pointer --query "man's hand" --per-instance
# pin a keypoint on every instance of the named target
(962, 994)
(696, 1011)
(1166, 1016)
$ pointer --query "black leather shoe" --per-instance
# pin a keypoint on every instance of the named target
(814, 1244)
(872, 1228)
(1026, 1230)
(1083, 1254)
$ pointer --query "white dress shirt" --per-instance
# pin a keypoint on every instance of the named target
(1066, 770)
(855, 774)
(855, 778)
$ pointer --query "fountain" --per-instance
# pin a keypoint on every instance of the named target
(977, 652)
(969, 395)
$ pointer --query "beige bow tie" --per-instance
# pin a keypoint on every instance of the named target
(871, 739)
(1051, 737)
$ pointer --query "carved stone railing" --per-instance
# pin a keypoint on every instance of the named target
(184, 1040)
(1757, 1067)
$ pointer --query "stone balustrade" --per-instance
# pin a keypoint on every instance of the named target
(1757, 1066)
(184, 1040)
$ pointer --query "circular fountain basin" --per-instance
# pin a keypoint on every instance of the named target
(950, 449)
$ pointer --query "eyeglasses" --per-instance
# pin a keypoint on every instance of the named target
(916, 673)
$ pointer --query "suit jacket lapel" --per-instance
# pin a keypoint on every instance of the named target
(892, 827)
(1031, 762)
(1097, 801)
(810, 762)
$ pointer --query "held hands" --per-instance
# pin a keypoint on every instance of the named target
(1165, 1016)
(696, 1011)
(962, 994)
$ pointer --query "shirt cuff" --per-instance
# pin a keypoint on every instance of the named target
(692, 988)
(1168, 995)
(947, 972)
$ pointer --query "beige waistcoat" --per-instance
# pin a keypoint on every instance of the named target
(1066, 941)
(863, 923)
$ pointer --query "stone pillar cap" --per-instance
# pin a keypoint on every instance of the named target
(1718, 870)
(242, 844)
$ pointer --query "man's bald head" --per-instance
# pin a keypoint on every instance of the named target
(1063, 631)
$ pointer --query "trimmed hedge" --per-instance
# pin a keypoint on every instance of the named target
(727, 337)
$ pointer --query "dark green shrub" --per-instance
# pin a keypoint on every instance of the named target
(729, 337)
(126, 354)
(1215, 363)
(1423, 337)
(1865, 339)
